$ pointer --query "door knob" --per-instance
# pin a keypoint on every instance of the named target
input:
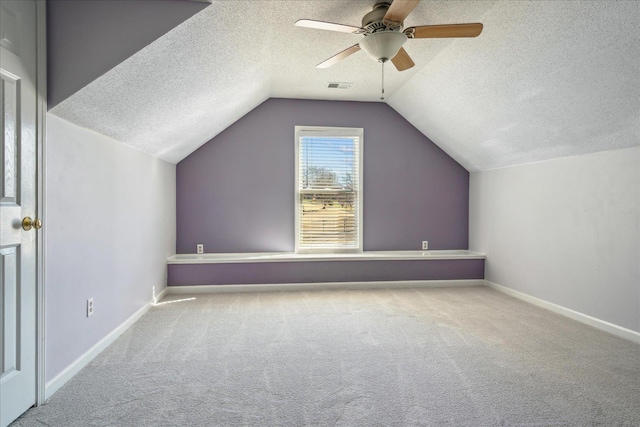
(28, 223)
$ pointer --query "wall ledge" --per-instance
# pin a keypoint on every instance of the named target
(227, 258)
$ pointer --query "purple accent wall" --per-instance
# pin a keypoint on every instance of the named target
(236, 192)
(85, 39)
(329, 271)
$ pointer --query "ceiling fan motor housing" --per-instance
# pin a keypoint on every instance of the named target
(382, 39)
(374, 21)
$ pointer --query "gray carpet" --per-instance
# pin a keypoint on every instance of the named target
(405, 357)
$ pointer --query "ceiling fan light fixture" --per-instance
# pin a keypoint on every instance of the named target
(384, 45)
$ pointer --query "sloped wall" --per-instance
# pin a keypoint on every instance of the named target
(85, 39)
(236, 193)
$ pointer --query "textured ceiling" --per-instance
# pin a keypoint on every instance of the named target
(545, 79)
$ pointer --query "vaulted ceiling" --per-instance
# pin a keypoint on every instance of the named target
(545, 79)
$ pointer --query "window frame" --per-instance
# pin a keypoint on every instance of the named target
(326, 131)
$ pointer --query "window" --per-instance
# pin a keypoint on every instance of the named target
(328, 189)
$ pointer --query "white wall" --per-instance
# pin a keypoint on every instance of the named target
(566, 231)
(110, 226)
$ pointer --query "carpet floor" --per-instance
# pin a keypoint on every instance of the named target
(393, 357)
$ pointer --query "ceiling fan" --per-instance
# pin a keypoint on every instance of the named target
(384, 34)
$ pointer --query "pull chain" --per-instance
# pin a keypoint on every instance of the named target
(382, 96)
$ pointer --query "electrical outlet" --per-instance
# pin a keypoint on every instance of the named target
(425, 245)
(89, 307)
(200, 248)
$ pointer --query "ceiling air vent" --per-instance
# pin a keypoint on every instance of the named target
(339, 85)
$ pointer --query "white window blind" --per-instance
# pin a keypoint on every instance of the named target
(329, 185)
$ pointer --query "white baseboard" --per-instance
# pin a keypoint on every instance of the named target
(54, 385)
(82, 361)
(575, 315)
(161, 295)
(205, 289)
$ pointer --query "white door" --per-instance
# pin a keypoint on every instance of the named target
(17, 200)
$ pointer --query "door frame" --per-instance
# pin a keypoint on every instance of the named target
(41, 133)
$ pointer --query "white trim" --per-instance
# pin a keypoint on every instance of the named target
(82, 361)
(575, 315)
(41, 188)
(328, 131)
(222, 258)
(161, 295)
(401, 284)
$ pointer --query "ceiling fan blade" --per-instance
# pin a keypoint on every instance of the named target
(399, 10)
(402, 60)
(443, 31)
(339, 56)
(321, 25)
